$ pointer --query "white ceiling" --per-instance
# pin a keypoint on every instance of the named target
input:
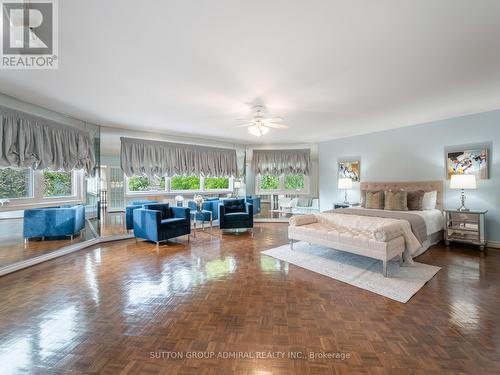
(330, 68)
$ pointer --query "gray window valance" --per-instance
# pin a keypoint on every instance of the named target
(278, 162)
(39, 143)
(155, 158)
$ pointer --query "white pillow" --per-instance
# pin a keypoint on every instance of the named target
(430, 200)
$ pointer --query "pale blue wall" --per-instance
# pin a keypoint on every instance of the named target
(417, 153)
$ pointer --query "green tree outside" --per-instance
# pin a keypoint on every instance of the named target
(269, 182)
(57, 184)
(294, 182)
(185, 183)
(142, 183)
(216, 183)
(14, 183)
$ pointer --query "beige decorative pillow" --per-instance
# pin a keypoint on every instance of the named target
(396, 200)
(363, 196)
(298, 220)
(374, 200)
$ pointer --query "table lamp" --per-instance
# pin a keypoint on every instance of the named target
(463, 181)
(345, 184)
(237, 187)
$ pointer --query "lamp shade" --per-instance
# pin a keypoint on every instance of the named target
(463, 181)
(345, 183)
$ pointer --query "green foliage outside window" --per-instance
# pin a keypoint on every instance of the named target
(269, 182)
(216, 183)
(294, 182)
(185, 183)
(141, 183)
(14, 183)
(57, 184)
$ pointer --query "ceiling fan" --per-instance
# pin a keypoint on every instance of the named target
(260, 124)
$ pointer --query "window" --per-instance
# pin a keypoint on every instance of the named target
(92, 185)
(16, 183)
(216, 183)
(185, 183)
(141, 183)
(294, 182)
(57, 184)
(269, 182)
(24, 187)
(284, 184)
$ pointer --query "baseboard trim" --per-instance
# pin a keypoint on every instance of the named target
(493, 244)
(59, 253)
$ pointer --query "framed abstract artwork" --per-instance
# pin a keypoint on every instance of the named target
(349, 169)
(473, 161)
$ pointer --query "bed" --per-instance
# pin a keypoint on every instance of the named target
(434, 219)
(379, 234)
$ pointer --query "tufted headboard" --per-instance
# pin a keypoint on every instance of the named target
(409, 186)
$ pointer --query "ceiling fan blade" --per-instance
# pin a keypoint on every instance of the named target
(272, 119)
(276, 126)
(245, 125)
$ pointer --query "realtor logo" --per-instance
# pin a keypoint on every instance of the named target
(29, 34)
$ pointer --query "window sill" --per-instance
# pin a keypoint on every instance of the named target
(281, 192)
(174, 193)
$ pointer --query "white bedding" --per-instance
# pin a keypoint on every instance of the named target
(434, 219)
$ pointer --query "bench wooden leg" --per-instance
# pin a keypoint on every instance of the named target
(291, 244)
(384, 266)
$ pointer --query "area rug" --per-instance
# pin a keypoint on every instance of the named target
(359, 271)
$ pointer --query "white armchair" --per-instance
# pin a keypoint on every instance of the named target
(284, 203)
(304, 205)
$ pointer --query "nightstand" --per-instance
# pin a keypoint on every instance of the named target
(466, 227)
(344, 205)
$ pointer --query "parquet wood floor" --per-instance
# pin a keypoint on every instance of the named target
(112, 309)
(13, 249)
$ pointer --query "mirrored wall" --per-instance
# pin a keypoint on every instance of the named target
(43, 209)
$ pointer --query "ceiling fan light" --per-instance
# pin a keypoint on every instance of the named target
(258, 131)
(254, 130)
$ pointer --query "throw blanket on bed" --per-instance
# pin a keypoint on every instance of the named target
(417, 223)
(381, 229)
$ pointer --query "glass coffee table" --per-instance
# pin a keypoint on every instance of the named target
(194, 219)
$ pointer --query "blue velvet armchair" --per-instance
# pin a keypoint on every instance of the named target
(235, 214)
(129, 210)
(255, 201)
(210, 204)
(160, 222)
(53, 221)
